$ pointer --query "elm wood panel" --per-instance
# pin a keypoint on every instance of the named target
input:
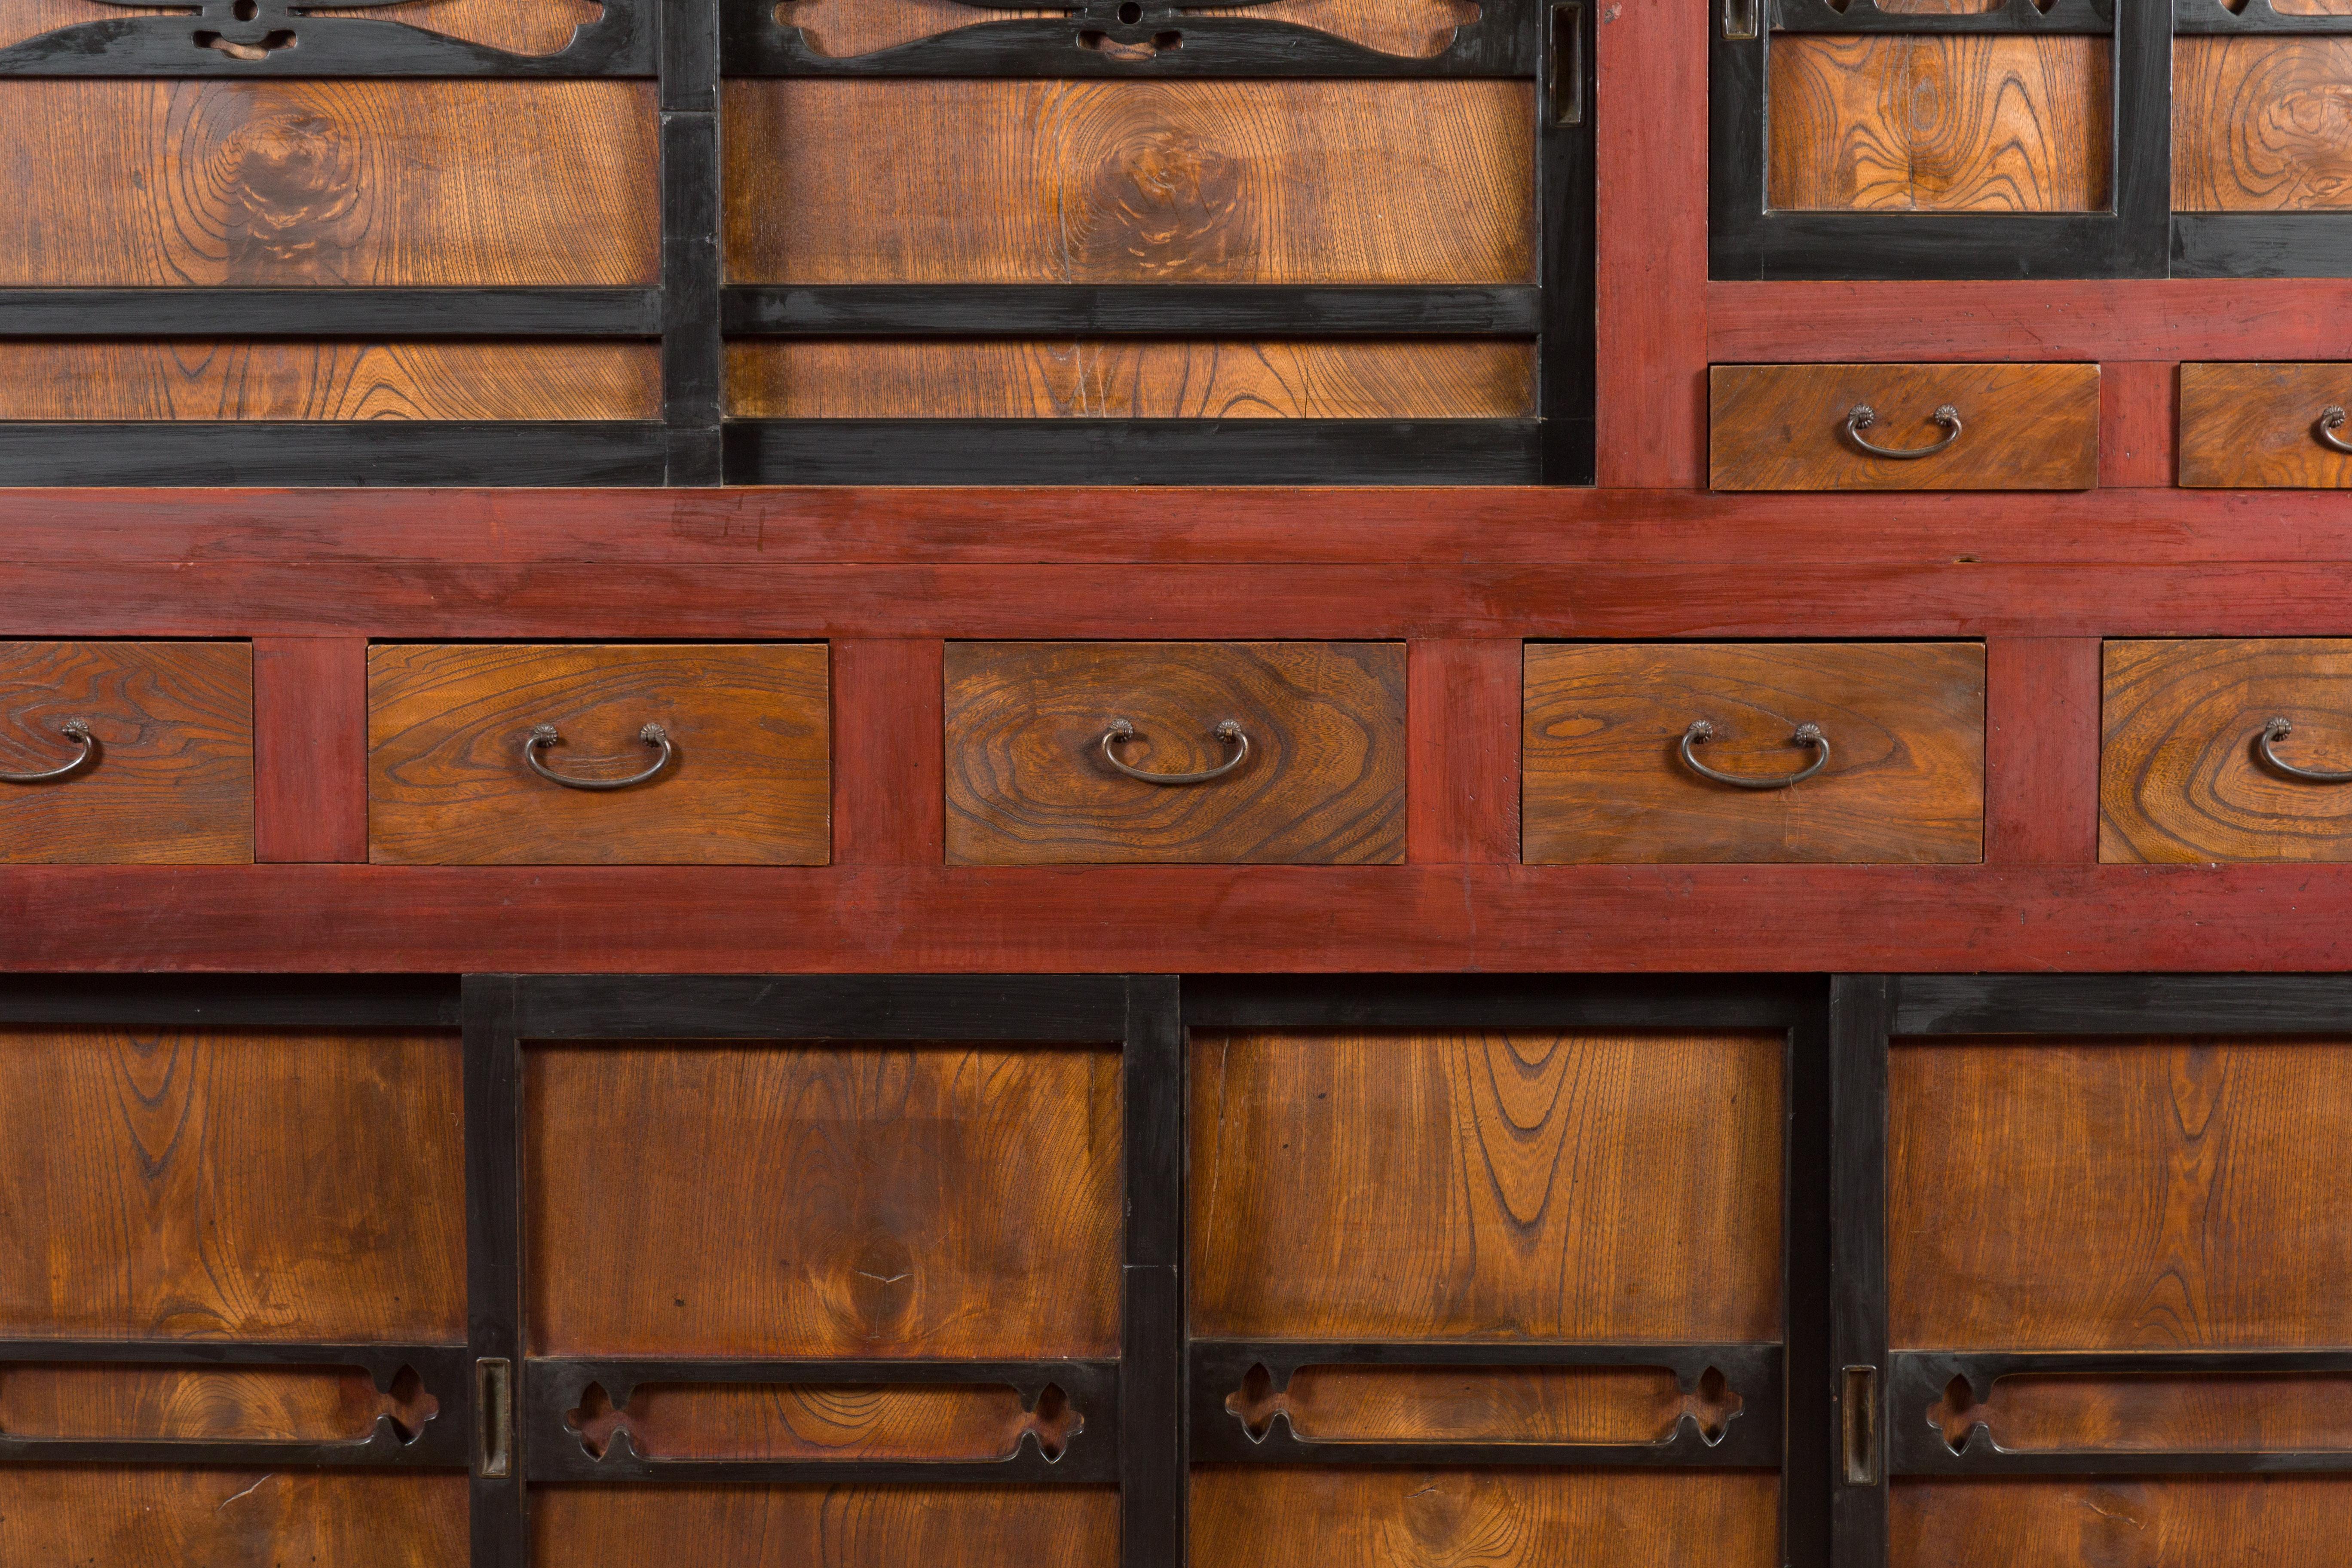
(2024, 427)
(1981, 122)
(1417, 30)
(206, 1404)
(2170, 1195)
(1462, 751)
(748, 781)
(2261, 124)
(1262, 1516)
(2117, 1522)
(1604, 781)
(942, 1201)
(172, 782)
(309, 762)
(2136, 423)
(1324, 782)
(1129, 378)
(1140, 182)
(823, 1420)
(2041, 751)
(2180, 779)
(830, 1527)
(95, 379)
(283, 184)
(888, 786)
(518, 27)
(1473, 1404)
(207, 1184)
(22, 19)
(145, 1516)
(2259, 424)
(1572, 1187)
(2210, 1413)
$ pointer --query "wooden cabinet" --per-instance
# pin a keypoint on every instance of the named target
(1904, 427)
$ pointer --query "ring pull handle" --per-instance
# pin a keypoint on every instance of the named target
(1701, 732)
(2278, 730)
(2331, 420)
(1864, 416)
(1229, 732)
(77, 729)
(544, 735)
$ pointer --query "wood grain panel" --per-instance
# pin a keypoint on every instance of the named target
(749, 780)
(830, 1527)
(825, 1421)
(1323, 784)
(2023, 427)
(942, 1202)
(1129, 182)
(1473, 1405)
(150, 1517)
(1129, 378)
(2179, 777)
(206, 1403)
(841, 28)
(2258, 426)
(2200, 1412)
(262, 1186)
(2117, 1522)
(2118, 1195)
(1576, 1187)
(1979, 122)
(1282, 1516)
(283, 184)
(1605, 781)
(518, 27)
(172, 783)
(2261, 124)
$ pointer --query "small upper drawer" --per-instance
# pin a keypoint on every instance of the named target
(2278, 426)
(1905, 426)
(1769, 751)
(1096, 753)
(557, 754)
(126, 751)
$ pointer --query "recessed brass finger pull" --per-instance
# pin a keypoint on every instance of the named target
(77, 729)
(2331, 420)
(545, 735)
(2278, 730)
(1229, 732)
(1701, 732)
(1864, 416)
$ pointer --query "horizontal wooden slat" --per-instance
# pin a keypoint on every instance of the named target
(131, 1516)
(2117, 1522)
(212, 1404)
(22, 19)
(2198, 1412)
(839, 1527)
(845, 28)
(2258, 124)
(519, 26)
(825, 1421)
(1473, 1404)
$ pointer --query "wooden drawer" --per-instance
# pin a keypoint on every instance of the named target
(169, 777)
(1606, 780)
(1314, 773)
(1795, 427)
(747, 779)
(2266, 426)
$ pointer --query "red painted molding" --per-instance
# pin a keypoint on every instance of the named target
(888, 787)
(309, 747)
(1461, 735)
(2041, 751)
(2138, 430)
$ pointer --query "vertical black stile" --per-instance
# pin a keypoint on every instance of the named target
(2141, 159)
(1565, 184)
(1808, 1451)
(693, 355)
(1861, 1015)
(494, 1256)
(1152, 1447)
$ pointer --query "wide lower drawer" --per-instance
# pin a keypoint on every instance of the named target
(617, 754)
(1905, 427)
(2266, 426)
(1091, 754)
(1786, 752)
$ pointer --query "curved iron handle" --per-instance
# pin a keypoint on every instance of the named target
(2331, 420)
(1811, 735)
(1230, 732)
(74, 730)
(542, 735)
(2279, 729)
(1864, 416)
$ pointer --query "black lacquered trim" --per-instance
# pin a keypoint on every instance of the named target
(306, 38)
(1040, 1008)
(1861, 1007)
(2195, 16)
(2011, 16)
(232, 1001)
(399, 452)
(1809, 1443)
(2263, 245)
(498, 1519)
(1497, 1002)
(1014, 310)
(1930, 1005)
(373, 313)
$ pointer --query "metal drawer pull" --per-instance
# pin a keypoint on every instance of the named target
(544, 735)
(1229, 732)
(1811, 735)
(74, 730)
(2331, 420)
(1864, 416)
(2279, 729)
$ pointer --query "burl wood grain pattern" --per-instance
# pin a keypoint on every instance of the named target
(89, 378)
(825, 1421)
(943, 1201)
(2179, 776)
(1128, 182)
(285, 184)
(1282, 1516)
(1605, 781)
(1129, 378)
(2258, 426)
(1414, 29)
(172, 780)
(268, 1185)
(146, 1516)
(2118, 1195)
(1591, 1187)
(1475, 1405)
(2023, 427)
(2200, 1412)
(830, 1527)
(1027, 785)
(208, 1403)
(2261, 124)
(1895, 122)
(2117, 1522)
(748, 781)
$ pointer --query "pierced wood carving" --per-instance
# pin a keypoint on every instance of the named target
(825, 1421)
(100, 1400)
(452, 37)
(1484, 1404)
(2150, 1412)
(1412, 29)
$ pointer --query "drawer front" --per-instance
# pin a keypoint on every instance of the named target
(2266, 425)
(2019, 427)
(745, 780)
(168, 777)
(1606, 778)
(1044, 742)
